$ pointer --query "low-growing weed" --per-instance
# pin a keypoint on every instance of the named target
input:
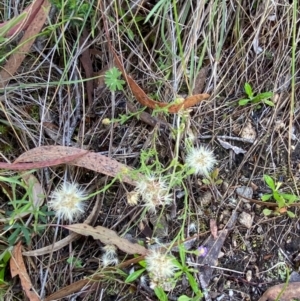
(261, 98)
(112, 80)
(283, 200)
(21, 203)
(164, 272)
(75, 262)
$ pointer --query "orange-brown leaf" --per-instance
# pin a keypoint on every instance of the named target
(144, 100)
(17, 267)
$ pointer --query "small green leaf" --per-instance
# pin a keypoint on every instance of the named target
(130, 34)
(182, 253)
(112, 80)
(155, 11)
(280, 202)
(75, 262)
(215, 173)
(243, 102)
(132, 277)
(205, 181)
(277, 196)
(177, 264)
(5, 256)
(267, 212)
(142, 263)
(193, 283)
(218, 182)
(270, 182)
(261, 97)
(160, 294)
(290, 214)
(248, 89)
(269, 103)
(266, 197)
(184, 298)
(26, 234)
(13, 237)
(291, 198)
(178, 275)
(264, 95)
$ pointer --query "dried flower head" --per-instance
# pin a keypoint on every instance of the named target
(67, 201)
(153, 192)
(201, 159)
(192, 227)
(132, 198)
(107, 261)
(109, 257)
(160, 267)
(110, 250)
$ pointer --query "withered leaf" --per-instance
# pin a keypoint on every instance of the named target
(108, 237)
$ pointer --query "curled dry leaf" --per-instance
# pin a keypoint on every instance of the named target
(44, 156)
(108, 237)
(285, 292)
(143, 99)
(105, 165)
(50, 153)
(17, 267)
(54, 247)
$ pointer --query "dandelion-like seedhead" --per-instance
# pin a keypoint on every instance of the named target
(153, 192)
(132, 198)
(192, 227)
(67, 201)
(110, 250)
(109, 257)
(160, 267)
(106, 261)
(201, 159)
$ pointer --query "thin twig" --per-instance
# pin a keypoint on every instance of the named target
(227, 137)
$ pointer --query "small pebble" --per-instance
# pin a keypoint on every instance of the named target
(249, 275)
(246, 219)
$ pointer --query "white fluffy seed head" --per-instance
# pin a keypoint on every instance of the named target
(192, 227)
(153, 192)
(108, 260)
(160, 266)
(110, 251)
(67, 201)
(201, 160)
(109, 257)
